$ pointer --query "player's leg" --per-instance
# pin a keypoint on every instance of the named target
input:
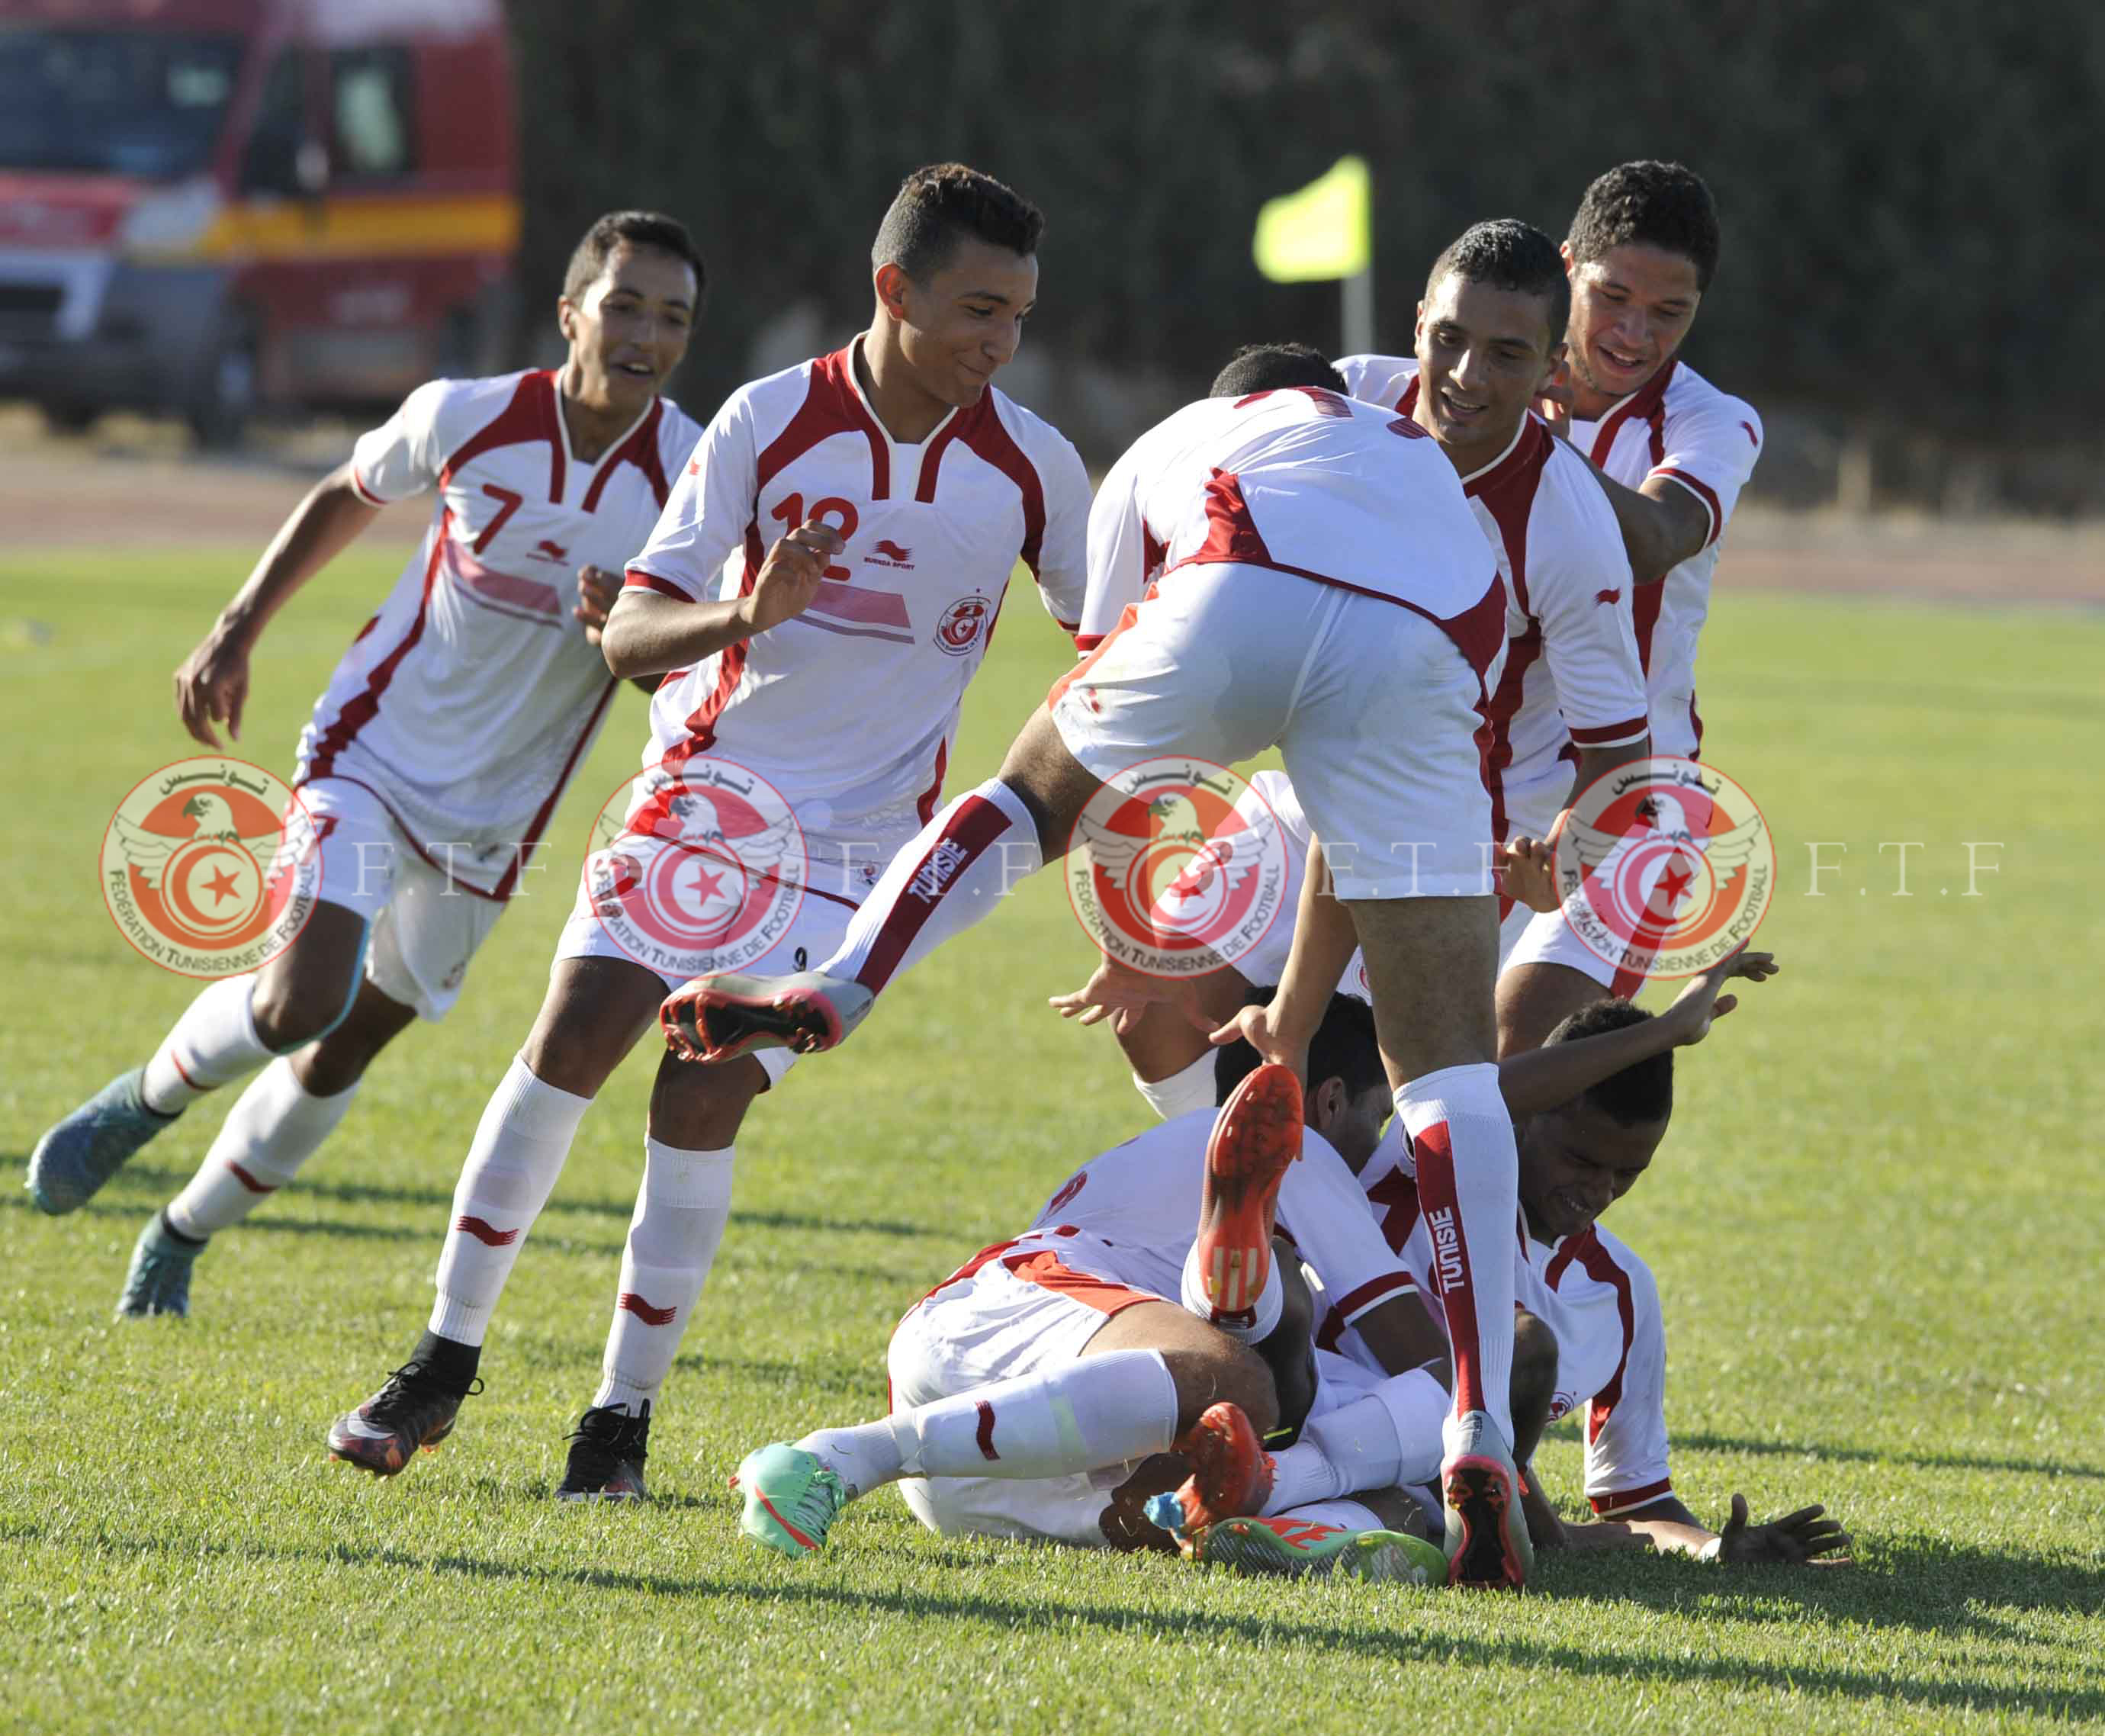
(277, 1123)
(681, 1210)
(238, 1023)
(594, 1009)
(1208, 668)
(1017, 1376)
(953, 875)
(1171, 1058)
(417, 957)
(1393, 789)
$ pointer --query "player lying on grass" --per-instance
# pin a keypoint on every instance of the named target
(437, 755)
(1326, 588)
(830, 667)
(1044, 1390)
(1673, 453)
(1489, 335)
(1591, 1108)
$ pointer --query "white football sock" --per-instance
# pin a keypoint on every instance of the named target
(212, 1043)
(1094, 1412)
(520, 1145)
(1389, 1435)
(273, 1128)
(681, 1212)
(1469, 1189)
(1252, 1326)
(1181, 1091)
(1343, 1514)
(957, 869)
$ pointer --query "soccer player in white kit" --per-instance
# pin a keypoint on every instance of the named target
(1674, 452)
(899, 490)
(1326, 589)
(446, 735)
(1032, 1390)
(1490, 334)
(1592, 1105)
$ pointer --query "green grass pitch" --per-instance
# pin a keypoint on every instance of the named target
(1875, 1225)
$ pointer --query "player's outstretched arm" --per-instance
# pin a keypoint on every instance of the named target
(1663, 524)
(211, 685)
(1539, 1078)
(648, 634)
(1324, 938)
(1807, 1537)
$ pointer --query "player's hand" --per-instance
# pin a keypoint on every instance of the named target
(790, 576)
(1797, 1539)
(1120, 993)
(1696, 1006)
(212, 686)
(1554, 402)
(1259, 1027)
(1526, 870)
(597, 590)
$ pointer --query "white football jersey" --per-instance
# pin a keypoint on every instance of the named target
(1143, 1198)
(1305, 482)
(1597, 1298)
(1676, 425)
(467, 702)
(848, 708)
(1572, 672)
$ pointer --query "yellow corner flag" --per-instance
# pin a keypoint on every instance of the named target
(1324, 231)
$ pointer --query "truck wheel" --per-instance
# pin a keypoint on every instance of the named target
(224, 398)
(70, 419)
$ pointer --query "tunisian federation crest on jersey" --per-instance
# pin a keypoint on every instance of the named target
(1664, 866)
(696, 866)
(1175, 867)
(211, 867)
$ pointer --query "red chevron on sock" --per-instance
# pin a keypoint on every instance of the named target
(487, 1234)
(644, 1311)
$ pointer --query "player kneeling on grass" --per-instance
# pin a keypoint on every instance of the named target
(1056, 1382)
(1590, 1109)
(447, 734)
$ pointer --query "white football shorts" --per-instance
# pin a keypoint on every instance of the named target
(1372, 706)
(422, 926)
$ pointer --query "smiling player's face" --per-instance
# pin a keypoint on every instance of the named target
(963, 325)
(629, 329)
(1576, 1162)
(1483, 352)
(1630, 310)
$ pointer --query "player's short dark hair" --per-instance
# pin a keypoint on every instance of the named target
(638, 228)
(1654, 204)
(1275, 367)
(1643, 1091)
(1343, 1048)
(938, 206)
(1508, 254)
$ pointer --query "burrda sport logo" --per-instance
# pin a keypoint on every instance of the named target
(695, 866)
(1664, 866)
(1175, 867)
(211, 867)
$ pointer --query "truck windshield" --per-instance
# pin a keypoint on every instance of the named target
(147, 103)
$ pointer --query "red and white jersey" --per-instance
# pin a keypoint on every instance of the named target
(1678, 425)
(466, 702)
(1305, 482)
(1597, 1298)
(1143, 1198)
(1572, 673)
(848, 708)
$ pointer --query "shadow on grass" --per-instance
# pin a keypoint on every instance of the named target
(121, 1205)
(1866, 1599)
(1814, 1452)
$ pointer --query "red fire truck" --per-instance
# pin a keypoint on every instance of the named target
(208, 206)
